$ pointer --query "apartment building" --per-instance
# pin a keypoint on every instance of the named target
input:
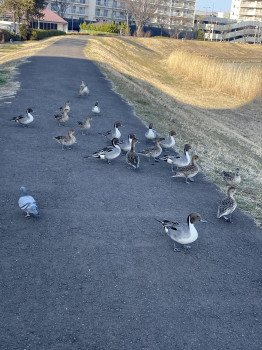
(177, 14)
(170, 13)
(79, 10)
(246, 10)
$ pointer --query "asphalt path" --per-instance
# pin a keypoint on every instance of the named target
(96, 271)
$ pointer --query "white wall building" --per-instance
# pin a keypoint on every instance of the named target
(246, 10)
(235, 8)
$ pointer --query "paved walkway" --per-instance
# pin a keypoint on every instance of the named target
(96, 271)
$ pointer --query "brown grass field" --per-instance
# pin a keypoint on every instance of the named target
(224, 129)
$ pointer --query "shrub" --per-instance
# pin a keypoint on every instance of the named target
(105, 27)
(38, 34)
(9, 35)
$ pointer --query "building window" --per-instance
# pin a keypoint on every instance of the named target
(105, 13)
(82, 10)
(97, 12)
(73, 9)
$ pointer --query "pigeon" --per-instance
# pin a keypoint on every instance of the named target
(27, 203)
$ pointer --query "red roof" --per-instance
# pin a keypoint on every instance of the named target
(50, 16)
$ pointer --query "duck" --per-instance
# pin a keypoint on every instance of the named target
(227, 205)
(231, 178)
(150, 133)
(96, 109)
(153, 152)
(179, 161)
(24, 120)
(132, 158)
(185, 233)
(27, 203)
(115, 133)
(68, 140)
(84, 126)
(67, 106)
(62, 117)
(126, 145)
(169, 142)
(188, 171)
(108, 153)
(83, 90)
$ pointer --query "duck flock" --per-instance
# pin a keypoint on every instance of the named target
(182, 165)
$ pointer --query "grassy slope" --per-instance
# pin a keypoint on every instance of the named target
(225, 134)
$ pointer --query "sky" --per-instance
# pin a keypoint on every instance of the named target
(218, 5)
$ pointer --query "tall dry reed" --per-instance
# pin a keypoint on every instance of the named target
(232, 79)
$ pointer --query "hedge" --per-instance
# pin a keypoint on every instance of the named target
(38, 34)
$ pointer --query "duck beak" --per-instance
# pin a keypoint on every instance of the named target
(203, 220)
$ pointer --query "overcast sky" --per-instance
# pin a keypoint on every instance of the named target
(218, 5)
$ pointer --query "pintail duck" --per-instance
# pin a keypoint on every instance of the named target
(126, 145)
(169, 142)
(188, 171)
(83, 90)
(24, 120)
(115, 133)
(153, 152)
(84, 126)
(108, 153)
(232, 178)
(67, 106)
(63, 116)
(227, 205)
(96, 109)
(27, 203)
(185, 233)
(132, 158)
(68, 140)
(150, 133)
(179, 161)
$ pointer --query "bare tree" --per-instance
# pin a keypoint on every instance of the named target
(60, 6)
(142, 11)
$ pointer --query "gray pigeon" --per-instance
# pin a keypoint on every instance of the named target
(27, 203)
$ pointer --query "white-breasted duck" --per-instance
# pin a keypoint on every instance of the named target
(231, 178)
(169, 142)
(108, 153)
(24, 120)
(86, 125)
(132, 158)
(67, 106)
(83, 89)
(188, 171)
(115, 133)
(96, 109)
(126, 144)
(153, 152)
(227, 205)
(150, 133)
(68, 140)
(185, 233)
(179, 161)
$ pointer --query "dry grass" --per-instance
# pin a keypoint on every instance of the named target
(24, 49)
(225, 131)
(238, 81)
